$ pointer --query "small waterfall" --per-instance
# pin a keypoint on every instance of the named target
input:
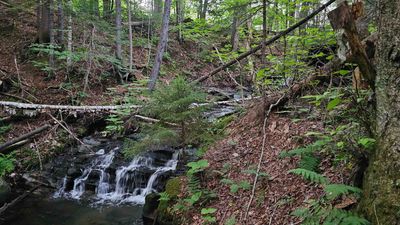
(131, 183)
(60, 191)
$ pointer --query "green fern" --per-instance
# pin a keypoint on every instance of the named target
(335, 190)
(309, 162)
(320, 212)
(310, 175)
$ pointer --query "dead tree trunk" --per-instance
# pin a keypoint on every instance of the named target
(343, 18)
(161, 45)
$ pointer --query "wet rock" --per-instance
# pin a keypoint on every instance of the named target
(73, 172)
(150, 209)
(5, 191)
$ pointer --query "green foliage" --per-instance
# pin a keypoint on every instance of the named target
(198, 166)
(310, 175)
(335, 190)
(6, 164)
(115, 125)
(230, 221)
(152, 138)
(321, 211)
(208, 214)
(172, 104)
(236, 186)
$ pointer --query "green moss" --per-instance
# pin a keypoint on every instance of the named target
(173, 187)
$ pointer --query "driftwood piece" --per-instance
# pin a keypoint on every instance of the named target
(342, 18)
(5, 146)
(266, 43)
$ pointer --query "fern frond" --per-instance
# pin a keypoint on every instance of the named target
(343, 217)
(335, 190)
(309, 162)
(310, 175)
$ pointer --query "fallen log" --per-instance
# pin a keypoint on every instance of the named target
(17, 200)
(265, 43)
(18, 105)
(4, 146)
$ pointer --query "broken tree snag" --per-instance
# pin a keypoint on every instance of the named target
(342, 18)
(266, 43)
(5, 146)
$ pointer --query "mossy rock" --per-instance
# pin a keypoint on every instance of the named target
(173, 187)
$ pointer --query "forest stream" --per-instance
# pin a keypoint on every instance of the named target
(97, 185)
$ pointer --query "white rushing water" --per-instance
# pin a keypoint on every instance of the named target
(131, 184)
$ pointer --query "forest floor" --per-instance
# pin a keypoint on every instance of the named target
(276, 195)
(279, 193)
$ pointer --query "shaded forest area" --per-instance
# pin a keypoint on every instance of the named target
(222, 111)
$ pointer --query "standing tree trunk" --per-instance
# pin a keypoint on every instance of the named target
(106, 9)
(200, 9)
(235, 32)
(129, 5)
(96, 7)
(52, 37)
(382, 182)
(69, 36)
(44, 28)
(264, 25)
(60, 20)
(161, 45)
(38, 16)
(179, 19)
(204, 10)
(118, 27)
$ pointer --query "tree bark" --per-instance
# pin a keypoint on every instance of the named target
(235, 32)
(44, 28)
(204, 10)
(60, 22)
(161, 45)
(263, 50)
(129, 6)
(106, 9)
(118, 26)
(38, 16)
(382, 180)
(179, 19)
(52, 36)
(69, 36)
(199, 9)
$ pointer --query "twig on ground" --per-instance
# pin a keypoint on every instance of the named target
(272, 106)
